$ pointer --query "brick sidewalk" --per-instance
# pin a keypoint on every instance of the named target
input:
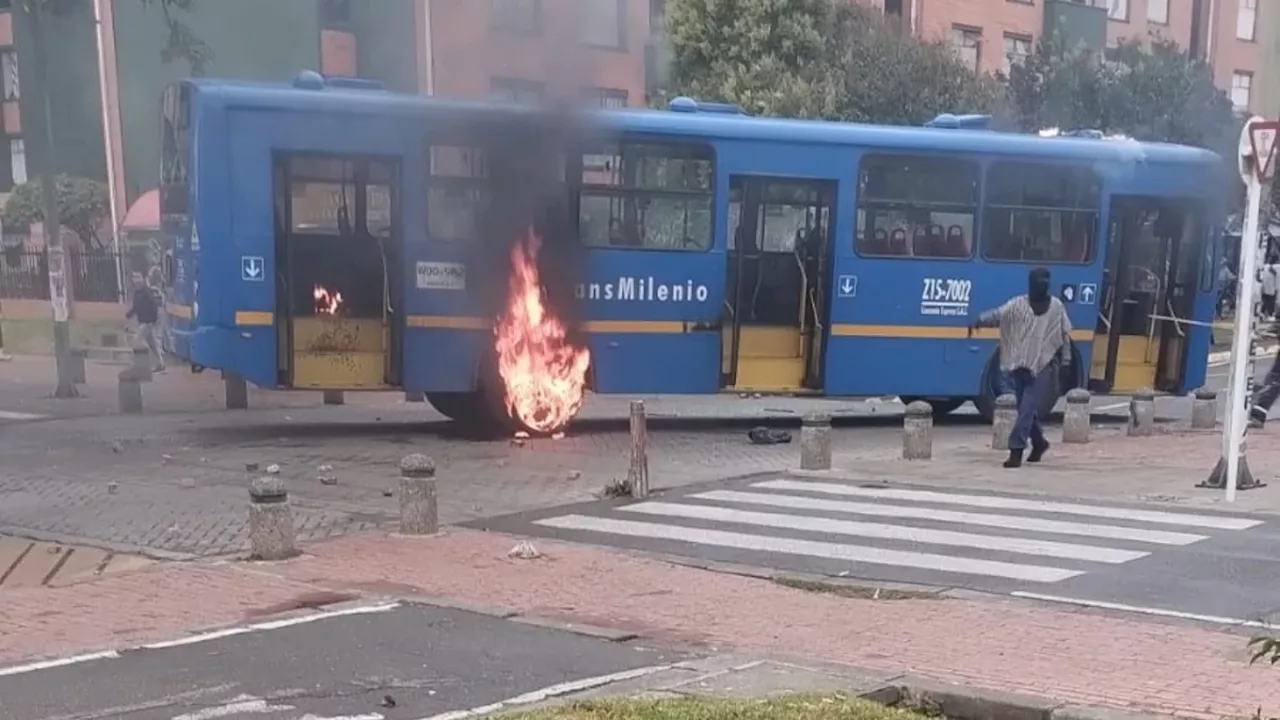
(1071, 656)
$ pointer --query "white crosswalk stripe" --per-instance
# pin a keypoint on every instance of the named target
(11, 415)
(1029, 540)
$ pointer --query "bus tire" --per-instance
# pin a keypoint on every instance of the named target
(465, 408)
(1066, 379)
(941, 405)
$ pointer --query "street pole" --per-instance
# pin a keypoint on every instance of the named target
(1242, 343)
(52, 224)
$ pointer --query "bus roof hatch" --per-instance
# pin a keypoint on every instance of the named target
(960, 122)
(312, 80)
(689, 105)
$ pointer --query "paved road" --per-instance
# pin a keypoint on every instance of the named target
(428, 660)
(1209, 564)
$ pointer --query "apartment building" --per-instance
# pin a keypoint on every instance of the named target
(1236, 37)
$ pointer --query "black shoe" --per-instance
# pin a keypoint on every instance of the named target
(1037, 452)
(1015, 459)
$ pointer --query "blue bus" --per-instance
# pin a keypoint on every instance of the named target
(722, 252)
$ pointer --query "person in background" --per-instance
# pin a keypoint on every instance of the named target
(1035, 334)
(147, 314)
(4, 356)
(1269, 283)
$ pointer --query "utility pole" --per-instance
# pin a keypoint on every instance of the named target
(58, 294)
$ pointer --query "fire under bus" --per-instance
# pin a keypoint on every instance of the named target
(327, 239)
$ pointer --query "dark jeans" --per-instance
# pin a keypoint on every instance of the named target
(1030, 389)
(1268, 393)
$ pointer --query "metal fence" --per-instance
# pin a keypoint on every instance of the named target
(94, 275)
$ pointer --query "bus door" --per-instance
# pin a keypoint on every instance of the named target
(779, 268)
(1148, 294)
(337, 283)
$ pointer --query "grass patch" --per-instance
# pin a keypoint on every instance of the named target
(794, 707)
(853, 591)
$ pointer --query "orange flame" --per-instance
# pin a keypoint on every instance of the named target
(544, 376)
(327, 301)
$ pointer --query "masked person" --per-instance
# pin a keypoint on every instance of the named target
(1035, 334)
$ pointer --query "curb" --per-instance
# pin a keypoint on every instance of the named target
(1224, 356)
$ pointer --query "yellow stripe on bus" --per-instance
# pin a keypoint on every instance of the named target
(182, 312)
(251, 317)
(676, 327)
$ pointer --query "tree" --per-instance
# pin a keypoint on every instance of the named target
(828, 59)
(83, 207)
(1147, 91)
(181, 42)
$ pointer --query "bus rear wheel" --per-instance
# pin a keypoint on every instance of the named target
(941, 405)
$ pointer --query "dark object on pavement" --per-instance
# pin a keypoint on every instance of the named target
(767, 436)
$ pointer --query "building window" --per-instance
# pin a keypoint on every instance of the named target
(18, 160)
(1118, 10)
(1158, 11)
(9, 66)
(967, 44)
(335, 13)
(516, 90)
(521, 16)
(602, 23)
(605, 98)
(1241, 89)
(1017, 48)
(1246, 19)
(916, 206)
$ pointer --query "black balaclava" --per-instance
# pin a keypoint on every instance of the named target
(1038, 290)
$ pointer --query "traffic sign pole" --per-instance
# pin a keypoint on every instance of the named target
(1256, 150)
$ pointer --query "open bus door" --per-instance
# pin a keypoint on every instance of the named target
(1148, 294)
(779, 272)
(338, 283)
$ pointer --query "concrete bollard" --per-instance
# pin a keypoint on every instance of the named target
(638, 470)
(1142, 413)
(1006, 414)
(271, 534)
(414, 397)
(1075, 423)
(419, 508)
(1204, 410)
(237, 392)
(815, 442)
(142, 364)
(917, 431)
(129, 392)
(334, 397)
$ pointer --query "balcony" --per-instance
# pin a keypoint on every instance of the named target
(1076, 24)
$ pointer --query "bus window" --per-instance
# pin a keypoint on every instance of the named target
(647, 196)
(916, 206)
(175, 133)
(322, 195)
(456, 193)
(1040, 213)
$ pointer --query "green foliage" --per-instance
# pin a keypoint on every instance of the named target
(1148, 91)
(841, 60)
(83, 207)
(181, 42)
(1265, 648)
(816, 59)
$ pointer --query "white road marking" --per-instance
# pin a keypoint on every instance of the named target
(1217, 522)
(1010, 522)
(58, 662)
(1109, 408)
(241, 705)
(810, 548)
(551, 691)
(1158, 612)
(273, 625)
(10, 415)
(889, 532)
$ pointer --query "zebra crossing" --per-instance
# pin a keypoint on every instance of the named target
(877, 530)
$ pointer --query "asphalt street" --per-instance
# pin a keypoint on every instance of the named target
(1215, 566)
(408, 662)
